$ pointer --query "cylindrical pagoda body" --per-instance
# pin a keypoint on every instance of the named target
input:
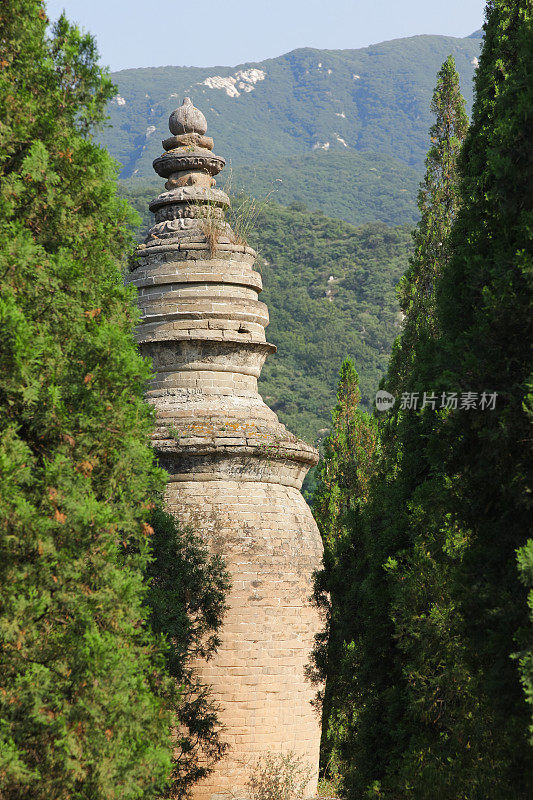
(235, 471)
(268, 539)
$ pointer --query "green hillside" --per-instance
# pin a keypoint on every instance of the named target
(330, 290)
(355, 187)
(375, 100)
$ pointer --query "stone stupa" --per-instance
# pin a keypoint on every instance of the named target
(235, 471)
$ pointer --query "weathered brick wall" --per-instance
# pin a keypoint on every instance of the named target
(268, 538)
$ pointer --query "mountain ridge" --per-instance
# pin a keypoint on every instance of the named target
(373, 99)
(477, 34)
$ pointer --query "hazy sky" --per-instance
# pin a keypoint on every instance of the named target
(143, 33)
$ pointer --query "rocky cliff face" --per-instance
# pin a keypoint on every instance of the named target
(234, 471)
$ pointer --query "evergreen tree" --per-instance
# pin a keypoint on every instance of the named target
(459, 610)
(346, 464)
(187, 602)
(80, 674)
(375, 732)
(411, 555)
(484, 305)
(342, 488)
(441, 618)
(438, 202)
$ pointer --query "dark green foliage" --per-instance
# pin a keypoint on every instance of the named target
(372, 100)
(187, 604)
(79, 711)
(436, 619)
(342, 489)
(458, 608)
(369, 735)
(485, 312)
(347, 463)
(426, 662)
(484, 316)
(438, 201)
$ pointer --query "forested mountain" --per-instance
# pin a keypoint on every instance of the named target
(331, 292)
(356, 187)
(372, 100)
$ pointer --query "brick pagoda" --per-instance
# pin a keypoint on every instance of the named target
(235, 471)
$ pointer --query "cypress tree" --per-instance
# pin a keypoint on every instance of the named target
(414, 548)
(342, 488)
(460, 611)
(438, 203)
(80, 674)
(374, 734)
(484, 306)
(346, 465)
(456, 505)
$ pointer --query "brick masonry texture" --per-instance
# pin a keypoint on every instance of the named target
(235, 472)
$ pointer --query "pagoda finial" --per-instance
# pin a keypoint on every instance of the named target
(192, 204)
(188, 159)
(187, 119)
